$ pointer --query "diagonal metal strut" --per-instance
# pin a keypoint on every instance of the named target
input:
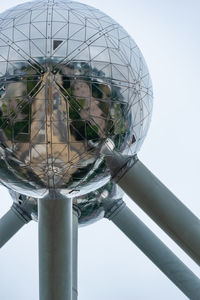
(157, 201)
(155, 250)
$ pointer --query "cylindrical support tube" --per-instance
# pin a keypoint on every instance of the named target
(75, 256)
(159, 203)
(157, 252)
(10, 223)
(55, 247)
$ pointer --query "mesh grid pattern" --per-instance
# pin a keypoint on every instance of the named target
(70, 77)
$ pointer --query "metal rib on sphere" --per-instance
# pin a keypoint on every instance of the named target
(70, 78)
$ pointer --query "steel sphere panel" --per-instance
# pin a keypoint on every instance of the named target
(70, 78)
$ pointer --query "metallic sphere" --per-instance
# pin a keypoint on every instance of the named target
(70, 78)
(90, 207)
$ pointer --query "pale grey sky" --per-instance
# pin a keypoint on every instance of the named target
(110, 266)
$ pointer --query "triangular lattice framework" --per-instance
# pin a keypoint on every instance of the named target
(70, 77)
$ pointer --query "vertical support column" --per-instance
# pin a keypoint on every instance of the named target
(55, 247)
(75, 255)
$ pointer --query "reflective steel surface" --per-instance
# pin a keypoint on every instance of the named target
(91, 207)
(27, 205)
(70, 78)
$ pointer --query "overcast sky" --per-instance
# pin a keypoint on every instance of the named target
(110, 266)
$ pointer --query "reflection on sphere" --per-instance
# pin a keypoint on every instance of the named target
(70, 78)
